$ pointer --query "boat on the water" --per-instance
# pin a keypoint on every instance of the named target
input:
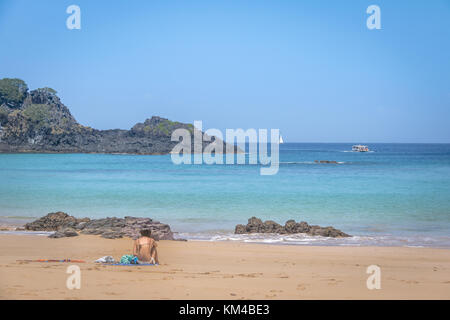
(360, 148)
(281, 139)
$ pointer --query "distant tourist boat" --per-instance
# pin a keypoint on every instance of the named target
(281, 139)
(360, 148)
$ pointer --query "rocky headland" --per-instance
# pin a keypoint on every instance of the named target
(66, 225)
(256, 225)
(37, 121)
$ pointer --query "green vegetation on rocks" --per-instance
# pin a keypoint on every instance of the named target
(37, 113)
(162, 127)
(12, 92)
(47, 90)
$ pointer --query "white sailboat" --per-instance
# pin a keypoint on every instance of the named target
(281, 139)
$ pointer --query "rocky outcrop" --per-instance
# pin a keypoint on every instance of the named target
(55, 221)
(67, 232)
(256, 225)
(110, 228)
(37, 121)
(326, 161)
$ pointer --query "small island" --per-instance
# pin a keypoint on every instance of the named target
(37, 121)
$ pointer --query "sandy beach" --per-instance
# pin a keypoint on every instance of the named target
(220, 270)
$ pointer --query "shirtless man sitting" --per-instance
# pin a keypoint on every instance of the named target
(145, 248)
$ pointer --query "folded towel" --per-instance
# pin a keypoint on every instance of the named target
(105, 259)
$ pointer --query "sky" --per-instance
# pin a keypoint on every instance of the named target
(309, 68)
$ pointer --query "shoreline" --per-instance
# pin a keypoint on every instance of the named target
(14, 225)
(220, 270)
(321, 241)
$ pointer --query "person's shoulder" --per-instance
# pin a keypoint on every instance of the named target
(150, 240)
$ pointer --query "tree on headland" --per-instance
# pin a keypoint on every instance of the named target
(12, 92)
(47, 90)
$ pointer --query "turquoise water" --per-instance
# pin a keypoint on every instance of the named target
(398, 194)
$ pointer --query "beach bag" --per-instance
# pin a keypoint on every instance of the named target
(128, 259)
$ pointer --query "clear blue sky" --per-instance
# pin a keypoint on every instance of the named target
(310, 68)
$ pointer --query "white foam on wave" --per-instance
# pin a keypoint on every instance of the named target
(28, 233)
(304, 239)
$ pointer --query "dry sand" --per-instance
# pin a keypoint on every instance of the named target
(220, 270)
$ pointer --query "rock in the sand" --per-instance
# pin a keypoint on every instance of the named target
(57, 235)
(64, 232)
(296, 227)
(272, 227)
(256, 225)
(54, 221)
(109, 228)
(69, 232)
(327, 232)
(112, 234)
(240, 229)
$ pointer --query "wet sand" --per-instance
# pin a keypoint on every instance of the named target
(220, 270)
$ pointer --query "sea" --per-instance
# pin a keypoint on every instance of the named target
(394, 195)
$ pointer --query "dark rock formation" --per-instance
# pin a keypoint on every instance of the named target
(326, 161)
(61, 233)
(256, 225)
(37, 121)
(293, 227)
(241, 229)
(55, 221)
(110, 228)
(327, 232)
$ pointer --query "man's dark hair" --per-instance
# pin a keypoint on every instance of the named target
(146, 232)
